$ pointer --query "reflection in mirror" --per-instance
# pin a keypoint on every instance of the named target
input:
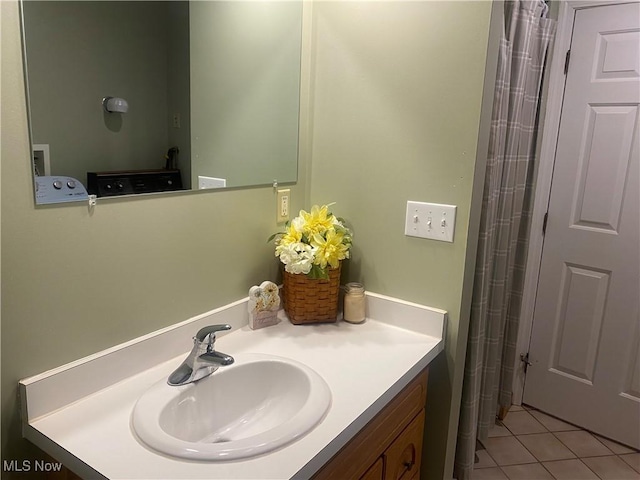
(146, 96)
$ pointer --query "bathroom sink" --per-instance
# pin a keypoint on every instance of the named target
(254, 406)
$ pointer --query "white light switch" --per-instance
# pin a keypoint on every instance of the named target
(430, 220)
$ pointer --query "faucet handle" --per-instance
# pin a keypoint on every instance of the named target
(211, 330)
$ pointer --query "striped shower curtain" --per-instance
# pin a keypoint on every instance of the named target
(504, 225)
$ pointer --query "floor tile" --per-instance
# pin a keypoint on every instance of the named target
(552, 424)
(499, 430)
(613, 446)
(484, 460)
(545, 447)
(531, 445)
(583, 444)
(570, 470)
(611, 468)
(521, 423)
(508, 451)
(633, 460)
(493, 473)
(530, 471)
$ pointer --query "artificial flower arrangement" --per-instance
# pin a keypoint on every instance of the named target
(313, 242)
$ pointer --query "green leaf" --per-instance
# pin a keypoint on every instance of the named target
(274, 236)
(318, 273)
(342, 229)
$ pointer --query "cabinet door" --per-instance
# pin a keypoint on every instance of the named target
(376, 472)
(355, 459)
(402, 458)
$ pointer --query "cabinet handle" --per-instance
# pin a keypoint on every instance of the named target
(408, 465)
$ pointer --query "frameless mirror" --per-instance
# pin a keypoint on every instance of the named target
(132, 97)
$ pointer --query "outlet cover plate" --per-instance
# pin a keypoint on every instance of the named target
(211, 182)
(283, 205)
(430, 220)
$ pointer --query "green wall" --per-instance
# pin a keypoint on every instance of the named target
(397, 96)
(396, 90)
(75, 282)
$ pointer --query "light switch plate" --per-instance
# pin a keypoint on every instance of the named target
(430, 220)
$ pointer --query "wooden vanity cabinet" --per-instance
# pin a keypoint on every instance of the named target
(389, 447)
(375, 472)
(402, 458)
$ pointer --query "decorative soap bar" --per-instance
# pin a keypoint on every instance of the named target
(264, 302)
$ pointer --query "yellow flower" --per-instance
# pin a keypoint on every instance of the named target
(313, 242)
(317, 221)
(290, 236)
(330, 250)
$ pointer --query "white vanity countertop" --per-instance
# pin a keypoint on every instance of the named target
(365, 366)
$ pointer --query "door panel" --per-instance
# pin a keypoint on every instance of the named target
(585, 341)
(616, 57)
(579, 322)
(604, 166)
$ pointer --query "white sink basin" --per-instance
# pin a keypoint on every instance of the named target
(257, 404)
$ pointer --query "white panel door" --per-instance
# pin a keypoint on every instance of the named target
(586, 330)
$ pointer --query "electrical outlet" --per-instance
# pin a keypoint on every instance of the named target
(430, 220)
(211, 182)
(283, 203)
(176, 120)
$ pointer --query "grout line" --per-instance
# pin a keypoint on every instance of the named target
(548, 471)
(525, 447)
(631, 466)
(595, 473)
(528, 409)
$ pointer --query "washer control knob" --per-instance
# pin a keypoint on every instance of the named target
(71, 184)
(57, 185)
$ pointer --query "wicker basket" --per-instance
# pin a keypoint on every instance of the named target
(309, 300)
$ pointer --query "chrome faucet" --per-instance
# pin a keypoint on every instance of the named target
(203, 359)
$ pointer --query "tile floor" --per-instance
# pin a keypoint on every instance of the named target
(530, 445)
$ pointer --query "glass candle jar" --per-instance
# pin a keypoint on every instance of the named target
(354, 310)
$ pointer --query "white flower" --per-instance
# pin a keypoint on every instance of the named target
(297, 257)
(300, 267)
(298, 224)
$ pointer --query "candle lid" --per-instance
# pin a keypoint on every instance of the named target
(354, 287)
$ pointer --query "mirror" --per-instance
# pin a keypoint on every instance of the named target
(124, 94)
